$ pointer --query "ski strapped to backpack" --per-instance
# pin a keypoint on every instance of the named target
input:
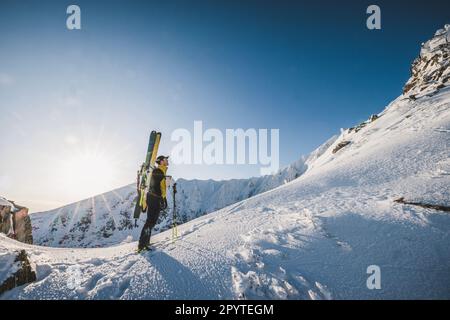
(144, 174)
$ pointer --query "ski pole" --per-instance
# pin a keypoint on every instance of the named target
(174, 214)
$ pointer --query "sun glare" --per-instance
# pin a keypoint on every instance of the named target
(89, 174)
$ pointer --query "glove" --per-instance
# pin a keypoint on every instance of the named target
(163, 203)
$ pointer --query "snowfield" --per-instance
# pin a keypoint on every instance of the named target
(311, 238)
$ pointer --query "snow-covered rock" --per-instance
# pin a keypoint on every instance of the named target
(15, 270)
(431, 70)
(5, 203)
(15, 221)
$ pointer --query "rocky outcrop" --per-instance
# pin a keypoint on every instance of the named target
(22, 273)
(371, 119)
(431, 70)
(15, 221)
(423, 205)
(340, 145)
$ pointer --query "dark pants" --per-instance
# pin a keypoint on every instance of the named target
(153, 210)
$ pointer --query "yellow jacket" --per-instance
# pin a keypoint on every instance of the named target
(163, 181)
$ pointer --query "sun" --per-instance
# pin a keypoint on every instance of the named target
(87, 163)
(89, 173)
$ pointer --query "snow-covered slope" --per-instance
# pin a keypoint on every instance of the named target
(107, 219)
(312, 238)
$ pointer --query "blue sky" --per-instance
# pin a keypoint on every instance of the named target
(306, 68)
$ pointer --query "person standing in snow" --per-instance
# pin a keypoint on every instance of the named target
(156, 201)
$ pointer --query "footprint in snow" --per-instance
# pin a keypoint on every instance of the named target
(442, 130)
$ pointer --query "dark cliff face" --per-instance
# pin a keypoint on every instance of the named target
(16, 223)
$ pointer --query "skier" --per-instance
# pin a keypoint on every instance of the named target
(156, 201)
